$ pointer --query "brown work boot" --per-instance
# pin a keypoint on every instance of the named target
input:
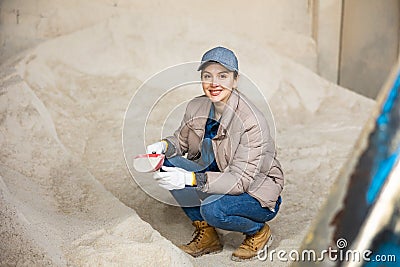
(205, 240)
(252, 244)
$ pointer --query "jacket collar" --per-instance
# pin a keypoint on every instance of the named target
(226, 118)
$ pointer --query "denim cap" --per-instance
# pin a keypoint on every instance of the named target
(222, 55)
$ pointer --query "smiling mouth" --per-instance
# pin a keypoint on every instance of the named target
(215, 92)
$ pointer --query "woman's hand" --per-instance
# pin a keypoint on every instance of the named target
(174, 178)
(157, 148)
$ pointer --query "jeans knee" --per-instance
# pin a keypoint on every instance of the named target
(213, 214)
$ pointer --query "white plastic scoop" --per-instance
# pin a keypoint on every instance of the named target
(148, 162)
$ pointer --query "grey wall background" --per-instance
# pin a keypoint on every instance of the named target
(353, 43)
(369, 44)
(357, 42)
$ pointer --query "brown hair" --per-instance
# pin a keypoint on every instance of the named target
(205, 65)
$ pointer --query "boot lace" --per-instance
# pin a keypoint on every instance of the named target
(249, 242)
(198, 235)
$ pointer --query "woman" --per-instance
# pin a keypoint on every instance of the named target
(230, 178)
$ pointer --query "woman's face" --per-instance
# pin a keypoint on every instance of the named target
(218, 82)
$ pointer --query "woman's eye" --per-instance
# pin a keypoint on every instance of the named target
(223, 76)
(206, 76)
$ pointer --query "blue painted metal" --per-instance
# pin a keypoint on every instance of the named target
(386, 129)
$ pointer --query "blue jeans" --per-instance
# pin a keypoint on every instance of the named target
(241, 213)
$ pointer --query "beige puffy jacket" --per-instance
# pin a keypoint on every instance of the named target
(244, 150)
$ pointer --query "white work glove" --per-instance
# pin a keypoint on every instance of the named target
(174, 178)
(157, 148)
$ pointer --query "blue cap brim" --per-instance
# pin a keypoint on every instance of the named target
(205, 62)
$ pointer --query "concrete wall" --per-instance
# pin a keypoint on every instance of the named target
(283, 25)
(352, 43)
(326, 32)
(369, 45)
(357, 42)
